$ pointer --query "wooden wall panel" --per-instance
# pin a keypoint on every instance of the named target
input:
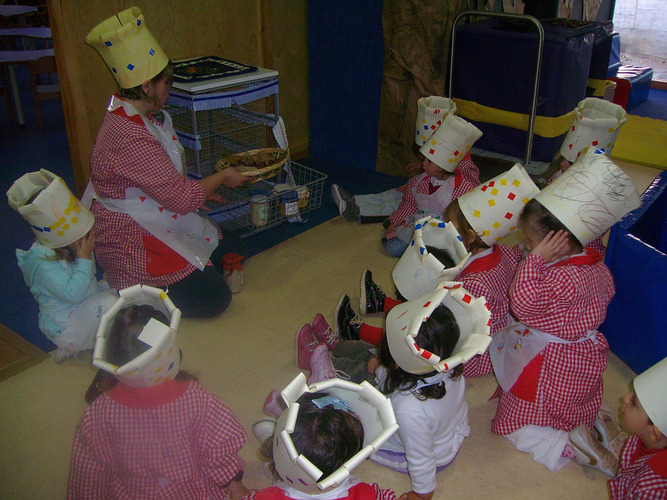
(227, 28)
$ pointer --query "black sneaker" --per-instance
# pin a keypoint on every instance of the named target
(348, 324)
(371, 299)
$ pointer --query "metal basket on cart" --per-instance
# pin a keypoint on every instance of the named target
(235, 214)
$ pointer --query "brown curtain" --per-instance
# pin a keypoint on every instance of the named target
(416, 37)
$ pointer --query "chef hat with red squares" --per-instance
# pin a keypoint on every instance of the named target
(450, 142)
(404, 321)
(161, 362)
(492, 209)
(596, 125)
(431, 112)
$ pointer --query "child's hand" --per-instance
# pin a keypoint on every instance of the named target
(414, 168)
(238, 490)
(84, 246)
(411, 495)
(553, 246)
(373, 365)
(390, 227)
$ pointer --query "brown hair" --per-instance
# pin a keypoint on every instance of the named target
(137, 93)
(454, 214)
(539, 219)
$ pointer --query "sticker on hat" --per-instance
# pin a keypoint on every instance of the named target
(55, 215)
(161, 361)
(590, 196)
(419, 270)
(450, 142)
(595, 126)
(492, 209)
(128, 48)
(373, 409)
(431, 112)
(650, 389)
(404, 321)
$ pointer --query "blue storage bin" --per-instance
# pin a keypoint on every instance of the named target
(494, 66)
(636, 256)
(615, 55)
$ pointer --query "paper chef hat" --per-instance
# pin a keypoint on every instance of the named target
(431, 111)
(418, 272)
(650, 389)
(590, 196)
(450, 142)
(492, 209)
(128, 48)
(596, 125)
(371, 406)
(56, 216)
(404, 321)
(162, 360)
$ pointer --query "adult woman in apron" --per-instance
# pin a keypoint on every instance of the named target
(148, 226)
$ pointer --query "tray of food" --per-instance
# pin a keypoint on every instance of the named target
(258, 163)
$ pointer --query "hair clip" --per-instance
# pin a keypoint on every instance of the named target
(337, 404)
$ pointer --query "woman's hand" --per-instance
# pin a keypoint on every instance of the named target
(411, 495)
(233, 178)
(228, 177)
(553, 246)
(84, 246)
(373, 365)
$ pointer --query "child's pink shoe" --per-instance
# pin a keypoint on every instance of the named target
(323, 332)
(321, 367)
(305, 344)
(274, 404)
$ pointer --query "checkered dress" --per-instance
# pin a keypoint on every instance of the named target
(490, 276)
(180, 444)
(639, 476)
(466, 177)
(566, 299)
(360, 491)
(127, 155)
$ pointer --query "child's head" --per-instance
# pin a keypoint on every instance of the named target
(434, 170)
(438, 335)
(123, 342)
(450, 143)
(443, 256)
(644, 411)
(328, 436)
(54, 214)
(471, 240)
(535, 222)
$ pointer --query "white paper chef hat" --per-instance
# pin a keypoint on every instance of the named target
(596, 125)
(418, 271)
(161, 361)
(650, 389)
(128, 48)
(590, 196)
(450, 142)
(371, 406)
(404, 321)
(492, 209)
(56, 216)
(431, 111)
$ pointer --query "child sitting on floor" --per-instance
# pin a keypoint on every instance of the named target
(448, 173)
(419, 366)
(550, 365)
(59, 268)
(158, 433)
(326, 430)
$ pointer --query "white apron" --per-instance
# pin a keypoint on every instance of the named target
(193, 236)
(513, 348)
(427, 204)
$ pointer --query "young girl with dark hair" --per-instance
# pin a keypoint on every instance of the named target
(157, 432)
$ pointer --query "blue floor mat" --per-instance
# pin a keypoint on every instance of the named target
(654, 107)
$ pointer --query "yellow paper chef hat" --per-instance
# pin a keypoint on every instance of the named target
(492, 209)
(56, 216)
(404, 321)
(128, 48)
(431, 111)
(650, 389)
(373, 409)
(590, 196)
(161, 361)
(450, 142)
(418, 271)
(596, 125)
